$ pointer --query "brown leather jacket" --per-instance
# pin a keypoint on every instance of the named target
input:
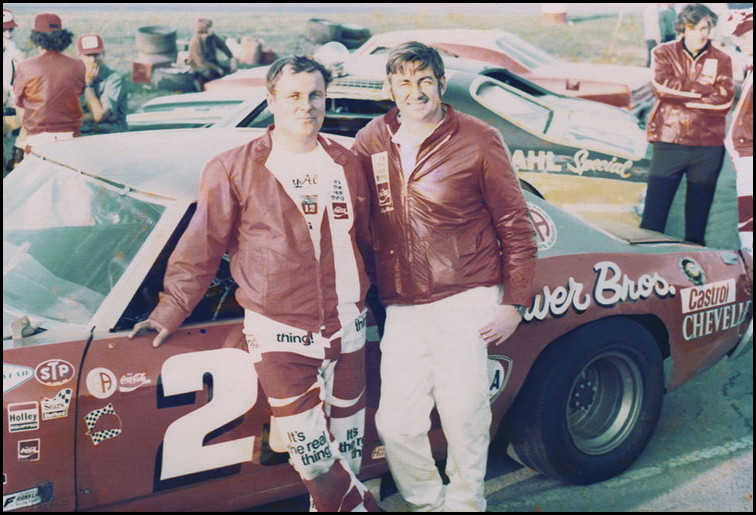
(740, 138)
(244, 210)
(460, 221)
(693, 96)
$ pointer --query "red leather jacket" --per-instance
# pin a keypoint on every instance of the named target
(244, 210)
(460, 221)
(740, 137)
(693, 96)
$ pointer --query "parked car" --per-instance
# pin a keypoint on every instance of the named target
(589, 158)
(95, 421)
(187, 110)
(619, 85)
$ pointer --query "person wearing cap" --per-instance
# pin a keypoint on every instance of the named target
(203, 54)
(694, 90)
(739, 140)
(11, 57)
(105, 95)
(48, 86)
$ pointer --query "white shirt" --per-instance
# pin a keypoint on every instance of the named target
(307, 178)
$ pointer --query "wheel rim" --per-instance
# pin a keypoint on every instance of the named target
(604, 403)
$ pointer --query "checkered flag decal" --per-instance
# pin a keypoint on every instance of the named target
(91, 420)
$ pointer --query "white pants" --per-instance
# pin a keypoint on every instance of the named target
(432, 355)
(316, 390)
(744, 183)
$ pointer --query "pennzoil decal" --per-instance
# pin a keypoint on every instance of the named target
(610, 288)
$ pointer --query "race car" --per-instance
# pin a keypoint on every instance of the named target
(95, 421)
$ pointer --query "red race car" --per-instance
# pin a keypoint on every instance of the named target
(95, 421)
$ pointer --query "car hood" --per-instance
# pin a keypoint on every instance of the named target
(634, 76)
(39, 332)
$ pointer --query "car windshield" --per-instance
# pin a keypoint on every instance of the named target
(526, 53)
(67, 239)
(519, 109)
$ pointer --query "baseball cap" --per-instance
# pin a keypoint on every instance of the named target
(47, 22)
(9, 21)
(89, 44)
(739, 21)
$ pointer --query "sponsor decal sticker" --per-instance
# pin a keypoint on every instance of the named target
(29, 450)
(545, 228)
(381, 177)
(111, 430)
(54, 372)
(499, 370)
(130, 381)
(379, 453)
(14, 376)
(57, 407)
(610, 288)
(340, 211)
(579, 164)
(101, 382)
(711, 308)
(693, 271)
(30, 497)
(310, 204)
(23, 416)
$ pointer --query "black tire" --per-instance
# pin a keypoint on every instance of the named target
(354, 31)
(156, 40)
(590, 404)
(321, 31)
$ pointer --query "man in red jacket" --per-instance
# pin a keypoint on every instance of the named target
(455, 260)
(48, 86)
(291, 210)
(739, 140)
(694, 91)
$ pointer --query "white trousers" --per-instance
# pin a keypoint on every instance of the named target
(432, 356)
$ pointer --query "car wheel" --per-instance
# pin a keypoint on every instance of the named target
(590, 404)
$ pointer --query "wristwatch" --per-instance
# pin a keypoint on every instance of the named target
(520, 309)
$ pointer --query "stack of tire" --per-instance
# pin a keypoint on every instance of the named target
(157, 44)
(319, 32)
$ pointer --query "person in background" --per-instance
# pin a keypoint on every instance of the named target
(11, 121)
(105, 95)
(291, 208)
(455, 261)
(48, 86)
(694, 90)
(658, 26)
(203, 54)
(739, 141)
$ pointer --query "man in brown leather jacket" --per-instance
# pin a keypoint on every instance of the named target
(451, 230)
(694, 91)
(291, 210)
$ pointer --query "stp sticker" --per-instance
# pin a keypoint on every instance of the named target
(54, 372)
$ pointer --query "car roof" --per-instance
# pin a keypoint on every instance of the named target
(161, 162)
(438, 35)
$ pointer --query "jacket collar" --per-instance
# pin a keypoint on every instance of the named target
(264, 144)
(447, 126)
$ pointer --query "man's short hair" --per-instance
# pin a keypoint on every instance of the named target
(58, 40)
(692, 14)
(298, 64)
(423, 56)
